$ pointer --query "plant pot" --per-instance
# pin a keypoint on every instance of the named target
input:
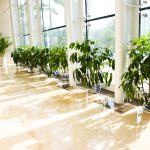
(97, 88)
(65, 77)
(34, 70)
(146, 108)
(55, 73)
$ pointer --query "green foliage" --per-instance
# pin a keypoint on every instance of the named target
(43, 60)
(4, 43)
(48, 59)
(93, 61)
(58, 59)
(138, 73)
(27, 56)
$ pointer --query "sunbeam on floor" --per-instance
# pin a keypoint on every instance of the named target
(36, 114)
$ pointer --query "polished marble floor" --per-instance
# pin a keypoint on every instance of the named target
(36, 114)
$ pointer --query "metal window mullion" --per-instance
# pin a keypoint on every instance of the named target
(22, 5)
(54, 28)
(86, 26)
(99, 18)
(144, 8)
(139, 19)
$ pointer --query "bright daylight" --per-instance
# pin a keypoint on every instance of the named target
(74, 74)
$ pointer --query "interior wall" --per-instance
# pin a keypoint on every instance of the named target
(6, 28)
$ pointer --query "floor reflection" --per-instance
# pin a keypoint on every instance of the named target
(36, 114)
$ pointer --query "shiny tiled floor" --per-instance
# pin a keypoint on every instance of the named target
(35, 114)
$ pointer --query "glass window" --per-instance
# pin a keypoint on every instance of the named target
(46, 14)
(21, 2)
(53, 14)
(102, 26)
(53, 21)
(100, 23)
(145, 22)
(144, 17)
(23, 20)
(55, 37)
(57, 13)
(26, 40)
(99, 8)
(145, 3)
(103, 32)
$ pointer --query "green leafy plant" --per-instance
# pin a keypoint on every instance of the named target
(136, 81)
(31, 57)
(4, 43)
(43, 60)
(20, 55)
(48, 59)
(93, 62)
(58, 59)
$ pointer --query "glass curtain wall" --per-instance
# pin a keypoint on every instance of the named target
(23, 18)
(144, 17)
(100, 22)
(53, 22)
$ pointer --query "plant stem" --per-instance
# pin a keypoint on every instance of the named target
(149, 85)
(142, 87)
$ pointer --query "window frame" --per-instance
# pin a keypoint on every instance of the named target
(140, 18)
(51, 28)
(87, 20)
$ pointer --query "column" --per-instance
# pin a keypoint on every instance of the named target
(119, 48)
(14, 12)
(126, 29)
(74, 29)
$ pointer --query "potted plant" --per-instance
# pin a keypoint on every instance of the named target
(58, 60)
(48, 60)
(43, 60)
(93, 62)
(26, 56)
(4, 43)
(136, 81)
